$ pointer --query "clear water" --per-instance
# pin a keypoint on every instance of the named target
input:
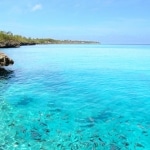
(69, 97)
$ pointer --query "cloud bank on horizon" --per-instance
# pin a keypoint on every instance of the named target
(107, 21)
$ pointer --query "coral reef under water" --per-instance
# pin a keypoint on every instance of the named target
(49, 129)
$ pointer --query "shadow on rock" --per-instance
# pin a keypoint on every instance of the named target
(5, 60)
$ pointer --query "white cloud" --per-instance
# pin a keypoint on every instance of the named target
(36, 7)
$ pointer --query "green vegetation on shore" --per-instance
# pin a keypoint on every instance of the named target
(7, 39)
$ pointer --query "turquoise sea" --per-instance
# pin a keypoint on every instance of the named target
(76, 97)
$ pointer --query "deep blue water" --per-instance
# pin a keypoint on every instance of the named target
(69, 97)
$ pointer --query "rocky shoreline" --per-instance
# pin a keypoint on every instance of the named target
(13, 44)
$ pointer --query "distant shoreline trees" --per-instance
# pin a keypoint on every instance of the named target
(8, 39)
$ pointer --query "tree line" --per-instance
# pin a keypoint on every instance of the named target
(9, 36)
(21, 40)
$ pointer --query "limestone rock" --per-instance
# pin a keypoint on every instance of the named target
(5, 60)
(9, 44)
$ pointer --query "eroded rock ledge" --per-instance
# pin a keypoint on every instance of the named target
(9, 44)
(5, 60)
(13, 44)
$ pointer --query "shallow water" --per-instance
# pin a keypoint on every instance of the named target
(86, 97)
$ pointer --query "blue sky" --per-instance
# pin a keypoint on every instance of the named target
(107, 21)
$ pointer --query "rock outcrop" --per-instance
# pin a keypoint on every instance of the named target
(27, 43)
(13, 44)
(9, 44)
(5, 60)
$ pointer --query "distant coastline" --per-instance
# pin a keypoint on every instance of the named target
(8, 40)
